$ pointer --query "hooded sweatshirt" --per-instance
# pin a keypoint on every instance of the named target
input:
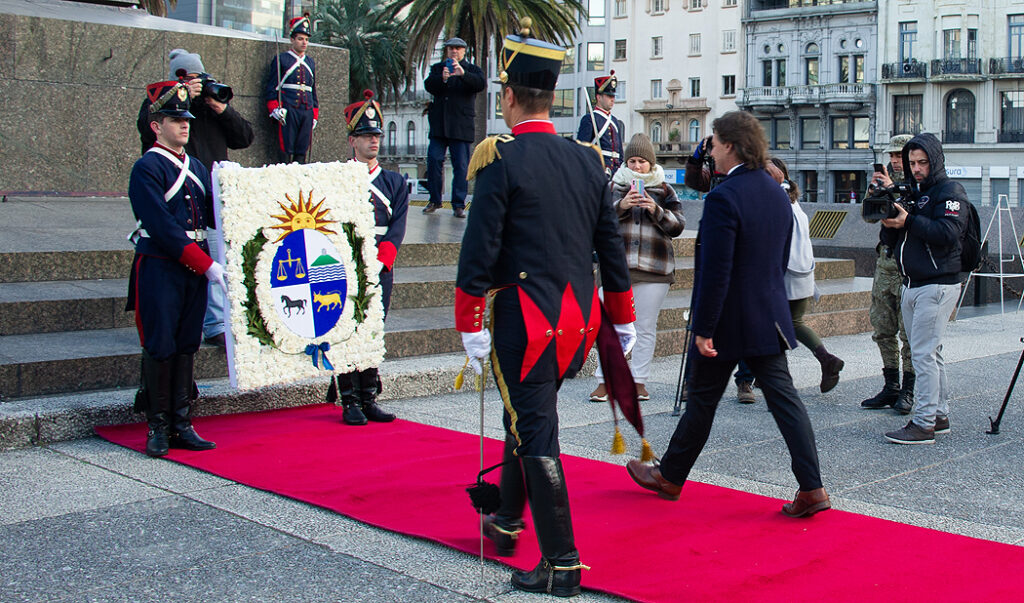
(928, 246)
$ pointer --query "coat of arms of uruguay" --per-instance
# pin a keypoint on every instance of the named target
(309, 283)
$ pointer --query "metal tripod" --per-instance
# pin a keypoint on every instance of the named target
(1002, 205)
(994, 429)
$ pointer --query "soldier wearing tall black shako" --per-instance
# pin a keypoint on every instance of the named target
(390, 198)
(541, 207)
(291, 94)
(600, 127)
(172, 200)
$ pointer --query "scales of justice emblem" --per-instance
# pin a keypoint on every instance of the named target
(307, 276)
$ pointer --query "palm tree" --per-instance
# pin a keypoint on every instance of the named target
(158, 7)
(483, 24)
(376, 44)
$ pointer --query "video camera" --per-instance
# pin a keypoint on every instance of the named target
(882, 202)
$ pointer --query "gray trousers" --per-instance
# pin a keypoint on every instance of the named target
(926, 311)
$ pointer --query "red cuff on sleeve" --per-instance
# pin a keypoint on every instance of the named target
(316, 112)
(386, 254)
(620, 306)
(271, 105)
(195, 258)
(469, 312)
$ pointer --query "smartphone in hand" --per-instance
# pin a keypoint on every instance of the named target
(638, 184)
(450, 64)
(879, 168)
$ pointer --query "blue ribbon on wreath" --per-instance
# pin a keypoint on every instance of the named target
(319, 354)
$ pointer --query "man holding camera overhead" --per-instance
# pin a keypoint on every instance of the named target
(215, 128)
(886, 319)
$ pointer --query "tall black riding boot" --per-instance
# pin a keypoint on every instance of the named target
(183, 395)
(156, 389)
(347, 391)
(890, 391)
(905, 401)
(504, 526)
(367, 389)
(558, 572)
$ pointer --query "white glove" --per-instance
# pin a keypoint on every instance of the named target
(280, 114)
(215, 274)
(627, 336)
(315, 121)
(477, 346)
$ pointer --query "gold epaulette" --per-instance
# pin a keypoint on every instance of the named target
(485, 154)
(597, 149)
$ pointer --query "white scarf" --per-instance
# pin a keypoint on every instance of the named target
(625, 176)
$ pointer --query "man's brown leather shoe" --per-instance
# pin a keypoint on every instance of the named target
(807, 503)
(650, 477)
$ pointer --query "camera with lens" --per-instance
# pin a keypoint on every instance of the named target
(881, 202)
(213, 89)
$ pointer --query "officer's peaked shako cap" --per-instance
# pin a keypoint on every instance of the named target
(606, 84)
(299, 25)
(364, 117)
(529, 62)
(169, 98)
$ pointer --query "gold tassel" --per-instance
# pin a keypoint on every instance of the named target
(460, 379)
(646, 454)
(485, 154)
(618, 442)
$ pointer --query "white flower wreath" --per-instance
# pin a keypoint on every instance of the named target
(330, 199)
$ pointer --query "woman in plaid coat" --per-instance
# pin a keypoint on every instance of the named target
(650, 216)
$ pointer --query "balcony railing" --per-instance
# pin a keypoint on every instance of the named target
(1011, 136)
(957, 137)
(828, 93)
(1008, 65)
(402, 150)
(908, 69)
(956, 67)
(777, 4)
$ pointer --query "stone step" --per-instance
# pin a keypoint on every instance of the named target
(46, 419)
(75, 305)
(49, 363)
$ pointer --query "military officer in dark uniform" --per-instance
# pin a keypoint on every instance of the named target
(540, 208)
(172, 200)
(291, 94)
(600, 127)
(390, 198)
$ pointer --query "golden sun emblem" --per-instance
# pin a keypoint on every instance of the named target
(302, 215)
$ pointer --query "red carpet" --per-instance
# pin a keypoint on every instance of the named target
(714, 544)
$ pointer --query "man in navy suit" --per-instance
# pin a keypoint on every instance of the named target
(741, 312)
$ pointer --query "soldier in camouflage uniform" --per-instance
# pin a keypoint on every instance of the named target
(886, 318)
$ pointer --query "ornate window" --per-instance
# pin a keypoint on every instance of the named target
(959, 117)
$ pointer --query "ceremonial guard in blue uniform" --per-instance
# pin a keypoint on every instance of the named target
(390, 198)
(291, 94)
(540, 208)
(172, 200)
(600, 127)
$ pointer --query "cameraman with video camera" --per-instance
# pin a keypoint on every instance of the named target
(216, 128)
(886, 318)
(925, 228)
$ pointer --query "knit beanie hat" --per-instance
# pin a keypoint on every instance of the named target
(183, 59)
(640, 146)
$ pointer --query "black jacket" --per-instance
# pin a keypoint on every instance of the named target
(452, 113)
(210, 136)
(928, 246)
